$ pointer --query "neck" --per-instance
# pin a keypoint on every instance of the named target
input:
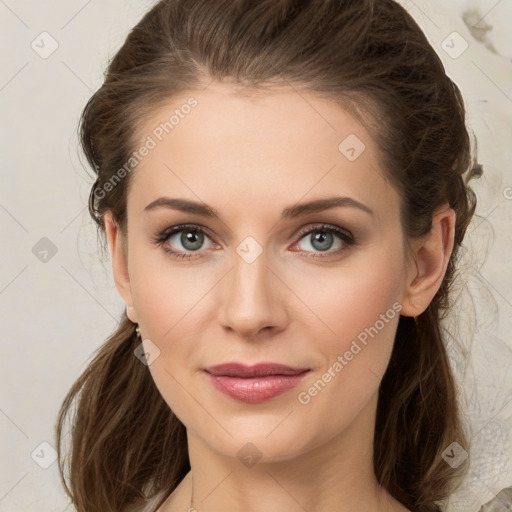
(335, 476)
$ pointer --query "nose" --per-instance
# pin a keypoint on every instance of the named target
(252, 299)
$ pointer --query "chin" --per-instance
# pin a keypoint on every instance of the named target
(253, 442)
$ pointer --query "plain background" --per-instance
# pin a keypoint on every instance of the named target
(57, 307)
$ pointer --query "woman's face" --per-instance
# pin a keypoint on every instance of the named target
(269, 279)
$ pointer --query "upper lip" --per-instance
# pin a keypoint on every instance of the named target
(257, 370)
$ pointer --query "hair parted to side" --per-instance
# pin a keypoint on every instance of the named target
(371, 58)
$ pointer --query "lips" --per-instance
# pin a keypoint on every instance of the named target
(257, 383)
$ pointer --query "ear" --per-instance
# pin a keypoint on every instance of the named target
(430, 256)
(117, 246)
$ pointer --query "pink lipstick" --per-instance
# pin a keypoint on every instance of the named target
(257, 383)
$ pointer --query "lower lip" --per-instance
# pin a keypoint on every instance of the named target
(255, 389)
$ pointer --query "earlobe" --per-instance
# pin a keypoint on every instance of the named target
(119, 264)
(431, 256)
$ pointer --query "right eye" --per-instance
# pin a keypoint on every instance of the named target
(190, 237)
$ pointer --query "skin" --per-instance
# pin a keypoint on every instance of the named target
(249, 157)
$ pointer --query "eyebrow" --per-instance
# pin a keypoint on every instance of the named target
(290, 212)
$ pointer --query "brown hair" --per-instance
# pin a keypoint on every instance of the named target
(369, 57)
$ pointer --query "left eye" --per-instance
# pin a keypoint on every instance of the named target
(321, 238)
(192, 238)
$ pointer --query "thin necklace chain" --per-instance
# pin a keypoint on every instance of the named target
(192, 495)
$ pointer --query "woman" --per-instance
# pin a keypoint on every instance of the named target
(283, 189)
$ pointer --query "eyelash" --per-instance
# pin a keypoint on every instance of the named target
(160, 239)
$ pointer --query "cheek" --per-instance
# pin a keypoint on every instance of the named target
(170, 302)
(165, 294)
(359, 311)
(353, 299)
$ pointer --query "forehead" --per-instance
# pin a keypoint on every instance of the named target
(256, 147)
